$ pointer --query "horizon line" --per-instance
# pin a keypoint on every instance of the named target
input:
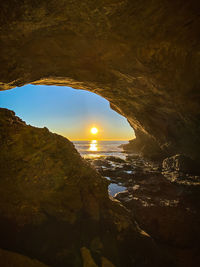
(101, 139)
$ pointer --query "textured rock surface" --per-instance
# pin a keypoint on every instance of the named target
(11, 259)
(55, 207)
(169, 212)
(180, 163)
(143, 56)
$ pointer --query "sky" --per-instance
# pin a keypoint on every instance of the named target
(66, 111)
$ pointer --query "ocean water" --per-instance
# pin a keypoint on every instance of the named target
(96, 148)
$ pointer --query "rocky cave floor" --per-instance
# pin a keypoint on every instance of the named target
(164, 202)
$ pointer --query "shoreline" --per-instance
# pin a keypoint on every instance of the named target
(154, 197)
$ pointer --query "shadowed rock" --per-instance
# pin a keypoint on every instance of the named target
(11, 259)
(181, 163)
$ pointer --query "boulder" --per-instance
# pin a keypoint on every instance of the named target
(180, 163)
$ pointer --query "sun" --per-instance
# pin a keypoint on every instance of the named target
(94, 130)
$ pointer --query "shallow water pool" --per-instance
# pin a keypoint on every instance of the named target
(115, 188)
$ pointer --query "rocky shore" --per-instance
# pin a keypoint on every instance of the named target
(163, 199)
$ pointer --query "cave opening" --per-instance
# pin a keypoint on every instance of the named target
(86, 119)
(67, 111)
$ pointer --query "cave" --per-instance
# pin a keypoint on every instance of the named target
(143, 57)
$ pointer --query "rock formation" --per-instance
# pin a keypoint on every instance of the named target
(143, 56)
(11, 259)
(165, 206)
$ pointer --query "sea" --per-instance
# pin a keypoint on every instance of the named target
(95, 148)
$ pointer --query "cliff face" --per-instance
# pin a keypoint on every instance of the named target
(143, 56)
(54, 206)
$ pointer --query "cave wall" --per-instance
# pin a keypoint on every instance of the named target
(143, 56)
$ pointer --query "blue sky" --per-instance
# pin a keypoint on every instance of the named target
(67, 111)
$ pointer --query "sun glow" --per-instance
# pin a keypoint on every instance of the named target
(94, 130)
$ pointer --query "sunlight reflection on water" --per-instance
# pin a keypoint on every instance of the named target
(94, 149)
(98, 148)
(93, 146)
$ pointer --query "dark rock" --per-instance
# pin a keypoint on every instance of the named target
(132, 156)
(127, 167)
(145, 146)
(100, 163)
(168, 212)
(11, 259)
(115, 159)
(181, 163)
(155, 202)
